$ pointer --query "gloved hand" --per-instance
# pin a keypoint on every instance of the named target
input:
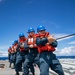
(50, 39)
(22, 45)
(26, 46)
(54, 44)
(41, 41)
(31, 46)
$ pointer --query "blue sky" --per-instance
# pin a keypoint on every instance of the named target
(58, 16)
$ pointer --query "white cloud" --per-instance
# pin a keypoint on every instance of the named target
(58, 35)
(73, 42)
(4, 50)
(61, 35)
(3, 53)
(67, 51)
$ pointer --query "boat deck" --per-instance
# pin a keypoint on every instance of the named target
(67, 64)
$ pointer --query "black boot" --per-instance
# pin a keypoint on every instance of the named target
(10, 65)
(33, 74)
(17, 73)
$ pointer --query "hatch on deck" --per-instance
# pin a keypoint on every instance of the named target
(2, 65)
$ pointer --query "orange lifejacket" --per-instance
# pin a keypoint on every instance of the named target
(47, 46)
(15, 47)
(32, 40)
(42, 35)
(22, 41)
(12, 49)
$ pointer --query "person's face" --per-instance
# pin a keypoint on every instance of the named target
(22, 37)
(42, 32)
(31, 33)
